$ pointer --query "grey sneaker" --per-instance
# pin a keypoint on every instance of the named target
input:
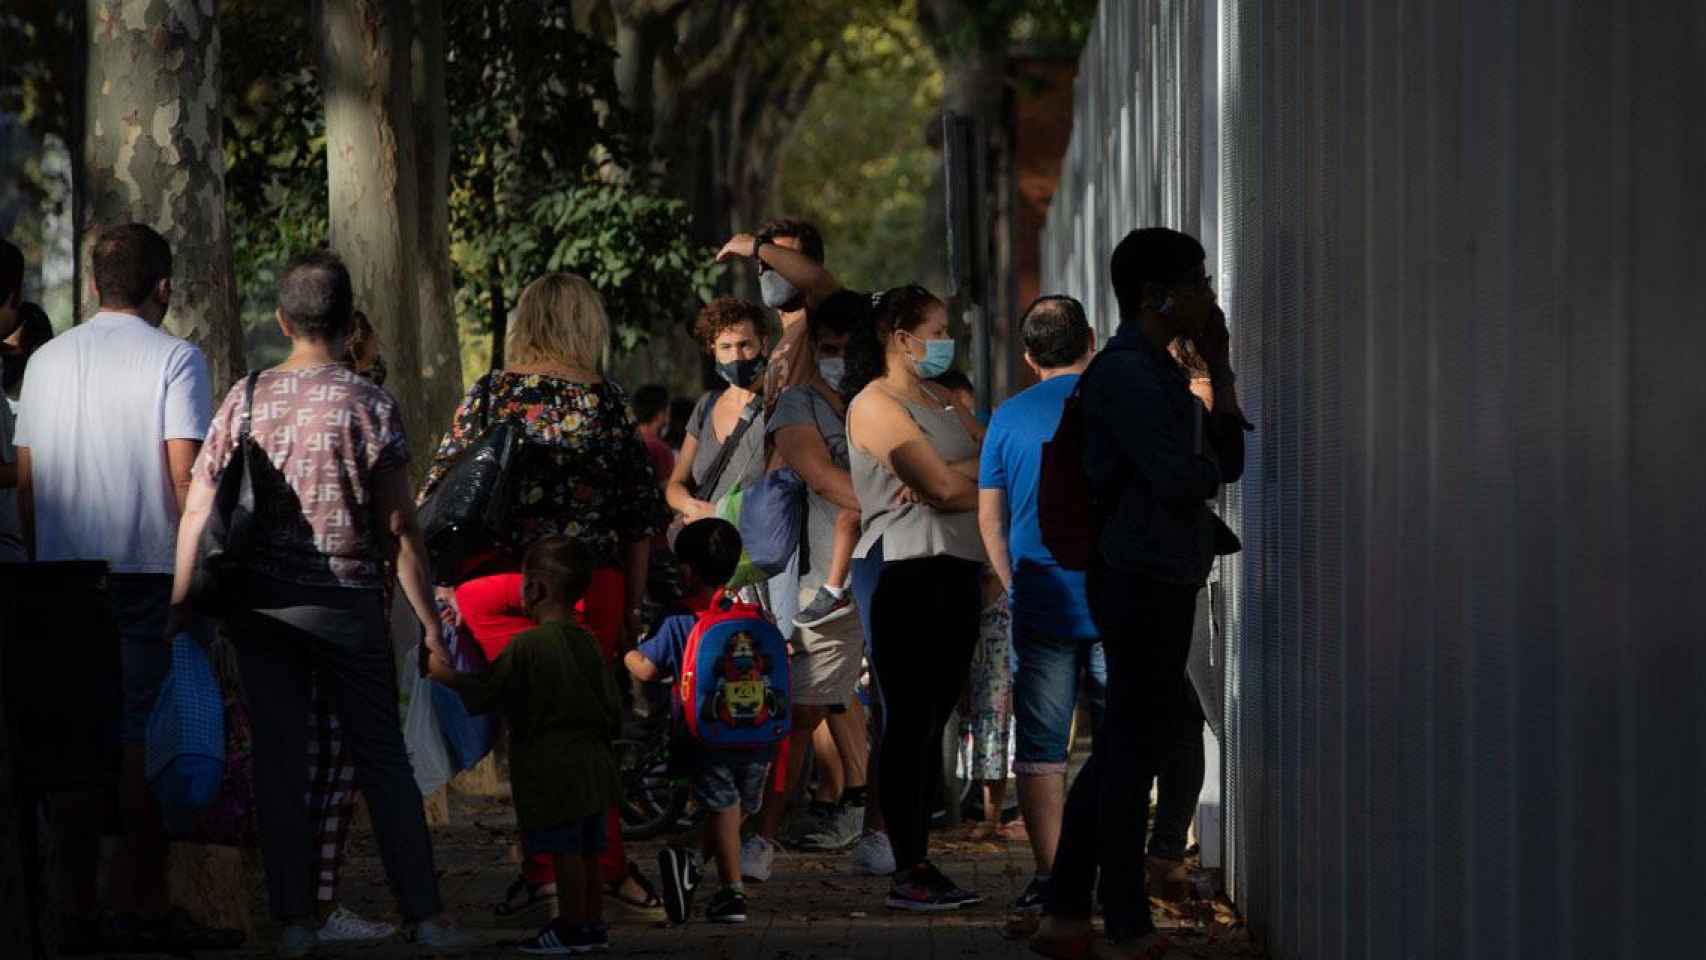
(825, 608)
(838, 831)
(873, 856)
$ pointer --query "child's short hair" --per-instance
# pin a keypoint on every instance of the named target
(561, 564)
(712, 548)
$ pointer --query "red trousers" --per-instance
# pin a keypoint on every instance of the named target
(491, 608)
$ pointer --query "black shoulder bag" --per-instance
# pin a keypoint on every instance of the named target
(465, 521)
(228, 536)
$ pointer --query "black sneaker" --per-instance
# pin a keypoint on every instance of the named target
(727, 906)
(951, 891)
(1033, 898)
(924, 889)
(825, 608)
(680, 872)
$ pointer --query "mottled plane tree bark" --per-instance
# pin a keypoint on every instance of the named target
(374, 209)
(440, 344)
(153, 153)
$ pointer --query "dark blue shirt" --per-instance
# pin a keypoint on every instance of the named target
(1046, 597)
(1156, 459)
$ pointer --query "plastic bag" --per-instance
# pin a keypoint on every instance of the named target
(746, 572)
(467, 736)
(185, 751)
(422, 736)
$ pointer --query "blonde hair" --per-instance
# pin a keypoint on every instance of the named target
(560, 318)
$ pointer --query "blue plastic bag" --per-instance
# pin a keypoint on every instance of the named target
(185, 751)
(467, 736)
(772, 514)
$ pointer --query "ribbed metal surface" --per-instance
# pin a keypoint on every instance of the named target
(1460, 246)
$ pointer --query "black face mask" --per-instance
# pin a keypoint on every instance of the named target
(376, 372)
(742, 373)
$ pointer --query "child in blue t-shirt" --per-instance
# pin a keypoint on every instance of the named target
(729, 784)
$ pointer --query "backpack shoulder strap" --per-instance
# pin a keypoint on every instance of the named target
(248, 405)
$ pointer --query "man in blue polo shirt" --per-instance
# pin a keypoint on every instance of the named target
(1054, 637)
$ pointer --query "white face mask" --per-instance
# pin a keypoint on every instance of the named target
(832, 370)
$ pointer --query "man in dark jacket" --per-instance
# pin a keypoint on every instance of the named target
(1159, 443)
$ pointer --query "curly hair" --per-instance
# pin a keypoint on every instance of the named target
(725, 312)
(902, 308)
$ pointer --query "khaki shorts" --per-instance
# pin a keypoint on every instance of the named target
(826, 664)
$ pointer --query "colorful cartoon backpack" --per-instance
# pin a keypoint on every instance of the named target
(734, 677)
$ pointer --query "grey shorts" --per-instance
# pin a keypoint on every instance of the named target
(140, 604)
(824, 670)
(720, 783)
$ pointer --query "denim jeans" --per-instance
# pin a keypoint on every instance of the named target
(1146, 632)
(1045, 694)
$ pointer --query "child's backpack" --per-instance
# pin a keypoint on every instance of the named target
(734, 680)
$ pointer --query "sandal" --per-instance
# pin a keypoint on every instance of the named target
(649, 901)
(532, 895)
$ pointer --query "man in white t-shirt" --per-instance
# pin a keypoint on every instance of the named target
(111, 419)
(11, 300)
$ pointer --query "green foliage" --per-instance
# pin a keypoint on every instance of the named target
(541, 154)
(275, 156)
(539, 151)
(857, 164)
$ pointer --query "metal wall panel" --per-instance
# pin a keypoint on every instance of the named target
(1460, 246)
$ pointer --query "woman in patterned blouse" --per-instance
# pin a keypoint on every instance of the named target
(584, 474)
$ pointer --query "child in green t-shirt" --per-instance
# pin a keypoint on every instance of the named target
(562, 708)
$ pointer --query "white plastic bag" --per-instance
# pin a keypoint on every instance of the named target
(421, 735)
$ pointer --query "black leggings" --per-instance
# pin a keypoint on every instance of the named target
(924, 624)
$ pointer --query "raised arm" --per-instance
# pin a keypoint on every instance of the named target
(807, 275)
(882, 428)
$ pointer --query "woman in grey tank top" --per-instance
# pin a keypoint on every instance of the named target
(918, 561)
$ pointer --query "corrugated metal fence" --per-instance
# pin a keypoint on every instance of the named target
(1461, 247)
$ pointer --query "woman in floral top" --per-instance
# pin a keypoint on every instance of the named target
(584, 474)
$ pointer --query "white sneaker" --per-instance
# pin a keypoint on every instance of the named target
(344, 926)
(872, 855)
(757, 857)
(442, 936)
(297, 940)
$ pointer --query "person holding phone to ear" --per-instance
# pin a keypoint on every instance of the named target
(1156, 456)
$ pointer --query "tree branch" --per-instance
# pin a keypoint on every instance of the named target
(716, 63)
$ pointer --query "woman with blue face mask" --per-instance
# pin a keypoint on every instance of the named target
(917, 566)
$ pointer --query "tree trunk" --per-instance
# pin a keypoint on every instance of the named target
(440, 345)
(153, 153)
(372, 198)
(500, 313)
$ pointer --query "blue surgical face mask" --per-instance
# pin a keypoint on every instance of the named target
(938, 357)
(832, 370)
(777, 292)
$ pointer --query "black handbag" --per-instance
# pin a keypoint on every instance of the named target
(465, 520)
(229, 533)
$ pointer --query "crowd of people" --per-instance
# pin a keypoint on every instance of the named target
(923, 586)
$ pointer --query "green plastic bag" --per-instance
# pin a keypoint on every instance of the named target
(746, 574)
